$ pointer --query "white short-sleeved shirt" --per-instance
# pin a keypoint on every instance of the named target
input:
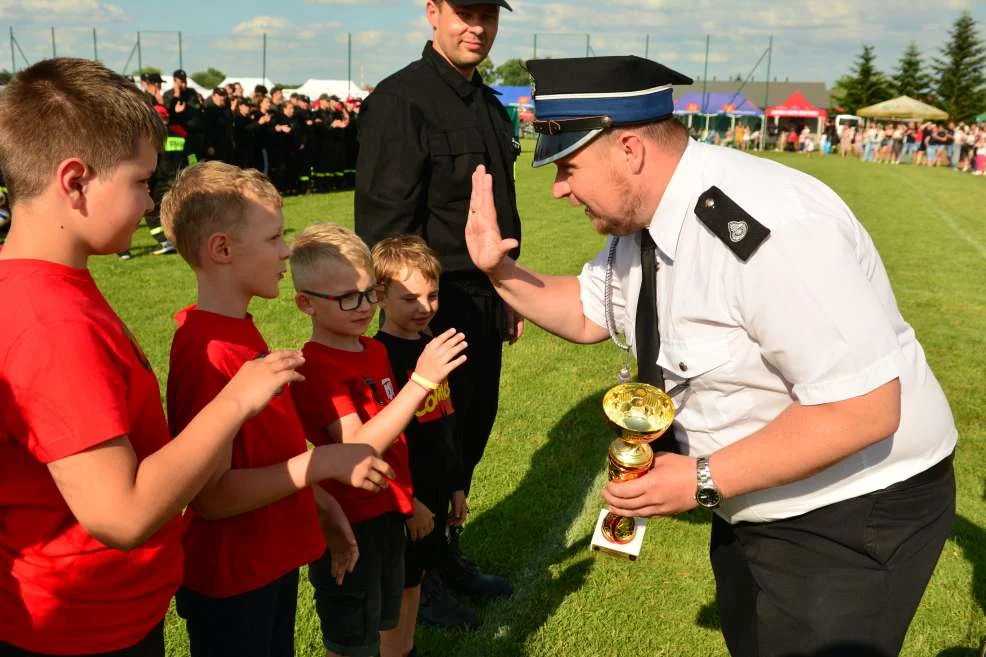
(809, 318)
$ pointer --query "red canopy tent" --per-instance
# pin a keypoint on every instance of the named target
(796, 106)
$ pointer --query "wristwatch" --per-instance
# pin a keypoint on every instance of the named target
(706, 493)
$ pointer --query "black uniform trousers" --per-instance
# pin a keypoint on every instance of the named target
(468, 302)
(840, 581)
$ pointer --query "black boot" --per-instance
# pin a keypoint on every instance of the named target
(464, 576)
(439, 608)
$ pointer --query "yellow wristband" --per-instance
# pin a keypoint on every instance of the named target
(423, 382)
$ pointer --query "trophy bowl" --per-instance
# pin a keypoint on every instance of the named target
(641, 410)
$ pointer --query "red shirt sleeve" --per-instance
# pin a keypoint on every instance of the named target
(68, 388)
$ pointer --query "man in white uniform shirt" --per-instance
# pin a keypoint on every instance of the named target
(811, 423)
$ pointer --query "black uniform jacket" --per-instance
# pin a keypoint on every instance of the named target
(423, 131)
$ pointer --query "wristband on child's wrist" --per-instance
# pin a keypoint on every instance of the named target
(423, 382)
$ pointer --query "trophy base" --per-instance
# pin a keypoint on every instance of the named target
(629, 550)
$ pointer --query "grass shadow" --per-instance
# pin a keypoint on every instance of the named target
(525, 536)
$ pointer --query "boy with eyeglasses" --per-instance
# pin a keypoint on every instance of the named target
(350, 396)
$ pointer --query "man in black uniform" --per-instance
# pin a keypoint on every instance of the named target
(185, 109)
(422, 133)
(218, 127)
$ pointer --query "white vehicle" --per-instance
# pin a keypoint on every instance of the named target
(846, 120)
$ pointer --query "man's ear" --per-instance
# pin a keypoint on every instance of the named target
(633, 149)
(431, 13)
(73, 176)
(218, 248)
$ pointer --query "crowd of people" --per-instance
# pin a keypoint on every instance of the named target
(956, 145)
(301, 144)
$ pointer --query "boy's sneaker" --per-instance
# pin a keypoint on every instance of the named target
(439, 608)
(166, 248)
(126, 255)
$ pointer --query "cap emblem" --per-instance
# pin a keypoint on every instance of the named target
(737, 231)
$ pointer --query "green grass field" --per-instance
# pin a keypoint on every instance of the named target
(537, 490)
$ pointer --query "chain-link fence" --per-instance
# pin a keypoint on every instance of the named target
(291, 58)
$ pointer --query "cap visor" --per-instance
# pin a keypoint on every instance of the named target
(554, 147)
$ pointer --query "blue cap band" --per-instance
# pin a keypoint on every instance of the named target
(630, 108)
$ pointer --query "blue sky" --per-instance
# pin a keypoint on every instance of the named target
(813, 39)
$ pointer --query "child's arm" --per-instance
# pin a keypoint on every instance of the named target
(338, 534)
(238, 490)
(123, 502)
(438, 359)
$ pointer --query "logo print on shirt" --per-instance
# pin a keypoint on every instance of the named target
(737, 230)
(388, 387)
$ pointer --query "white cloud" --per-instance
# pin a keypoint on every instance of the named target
(92, 11)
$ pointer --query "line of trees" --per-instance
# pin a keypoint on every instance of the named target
(954, 81)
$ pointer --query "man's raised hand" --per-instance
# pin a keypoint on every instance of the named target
(487, 248)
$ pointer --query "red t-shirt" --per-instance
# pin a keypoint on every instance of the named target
(241, 553)
(72, 377)
(338, 383)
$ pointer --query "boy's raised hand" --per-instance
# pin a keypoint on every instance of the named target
(441, 356)
(261, 379)
(353, 464)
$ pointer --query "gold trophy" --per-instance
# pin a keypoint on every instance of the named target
(642, 412)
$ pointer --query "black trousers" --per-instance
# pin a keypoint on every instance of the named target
(840, 581)
(258, 623)
(468, 303)
(151, 645)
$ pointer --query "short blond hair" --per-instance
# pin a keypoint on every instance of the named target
(324, 242)
(70, 108)
(208, 198)
(404, 253)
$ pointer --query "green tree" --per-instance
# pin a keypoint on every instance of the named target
(961, 80)
(210, 78)
(864, 85)
(148, 69)
(5, 76)
(910, 78)
(487, 70)
(512, 73)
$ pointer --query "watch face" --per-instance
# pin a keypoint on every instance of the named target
(708, 497)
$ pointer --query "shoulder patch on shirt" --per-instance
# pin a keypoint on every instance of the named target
(732, 224)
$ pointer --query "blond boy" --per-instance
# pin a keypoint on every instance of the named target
(349, 395)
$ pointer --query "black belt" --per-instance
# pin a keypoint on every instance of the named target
(935, 472)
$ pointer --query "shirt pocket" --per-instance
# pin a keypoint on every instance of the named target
(455, 154)
(705, 367)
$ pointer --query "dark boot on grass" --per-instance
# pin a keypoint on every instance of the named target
(463, 575)
(439, 608)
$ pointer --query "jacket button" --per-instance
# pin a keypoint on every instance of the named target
(710, 203)
(683, 367)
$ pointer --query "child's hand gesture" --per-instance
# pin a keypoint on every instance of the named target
(338, 535)
(261, 379)
(460, 509)
(354, 464)
(422, 522)
(441, 356)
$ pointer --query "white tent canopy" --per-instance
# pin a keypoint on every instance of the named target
(248, 84)
(167, 82)
(342, 88)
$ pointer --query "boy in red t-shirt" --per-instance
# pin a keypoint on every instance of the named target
(255, 523)
(92, 484)
(349, 396)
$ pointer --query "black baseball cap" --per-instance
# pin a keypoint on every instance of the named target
(151, 78)
(180, 74)
(465, 3)
(219, 91)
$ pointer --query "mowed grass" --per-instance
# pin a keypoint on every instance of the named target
(536, 493)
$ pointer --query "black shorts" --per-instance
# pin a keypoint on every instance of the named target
(258, 623)
(151, 645)
(426, 553)
(369, 600)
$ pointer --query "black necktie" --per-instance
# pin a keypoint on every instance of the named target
(648, 338)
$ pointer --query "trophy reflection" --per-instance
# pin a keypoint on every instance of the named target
(642, 412)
